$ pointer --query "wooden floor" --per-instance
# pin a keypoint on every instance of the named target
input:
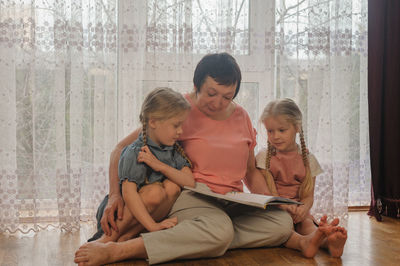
(369, 243)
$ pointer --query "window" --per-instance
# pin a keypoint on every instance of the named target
(198, 26)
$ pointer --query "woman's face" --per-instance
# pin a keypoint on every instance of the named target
(213, 99)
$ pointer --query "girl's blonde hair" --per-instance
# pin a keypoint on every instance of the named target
(288, 108)
(162, 104)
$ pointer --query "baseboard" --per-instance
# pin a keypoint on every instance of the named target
(358, 208)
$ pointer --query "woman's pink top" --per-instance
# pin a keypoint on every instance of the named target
(218, 149)
(288, 171)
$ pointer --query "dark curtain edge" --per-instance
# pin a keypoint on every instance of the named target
(383, 94)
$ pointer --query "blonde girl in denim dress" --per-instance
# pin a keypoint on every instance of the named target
(154, 165)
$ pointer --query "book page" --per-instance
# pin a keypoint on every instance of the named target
(256, 200)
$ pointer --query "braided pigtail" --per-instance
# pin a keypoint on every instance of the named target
(144, 132)
(182, 152)
(307, 186)
(144, 135)
(269, 154)
(268, 176)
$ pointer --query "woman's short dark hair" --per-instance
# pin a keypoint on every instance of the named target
(222, 67)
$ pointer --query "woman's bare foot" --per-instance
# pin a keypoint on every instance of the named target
(336, 241)
(104, 239)
(94, 253)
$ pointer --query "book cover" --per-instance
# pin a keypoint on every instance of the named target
(256, 200)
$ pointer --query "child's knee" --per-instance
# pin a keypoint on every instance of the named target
(306, 226)
(153, 196)
(172, 190)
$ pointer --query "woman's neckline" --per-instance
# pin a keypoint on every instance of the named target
(191, 97)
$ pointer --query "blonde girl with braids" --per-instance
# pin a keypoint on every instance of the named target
(153, 168)
(290, 171)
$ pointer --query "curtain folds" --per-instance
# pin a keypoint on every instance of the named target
(58, 111)
(74, 75)
(383, 88)
(321, 62)
(314, 52)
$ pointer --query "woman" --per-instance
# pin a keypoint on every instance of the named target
(219, 140)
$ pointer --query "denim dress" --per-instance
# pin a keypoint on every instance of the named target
(140, 173)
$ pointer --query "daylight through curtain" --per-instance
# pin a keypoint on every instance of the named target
(58, 111)
(74, 74)
(312, 51)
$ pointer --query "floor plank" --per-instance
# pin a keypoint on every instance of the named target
(369, 243)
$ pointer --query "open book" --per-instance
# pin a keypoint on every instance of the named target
(256, 200)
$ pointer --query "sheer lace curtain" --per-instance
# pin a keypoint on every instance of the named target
(58, 110)
(312, 51)
(62, 109)
(321, 61)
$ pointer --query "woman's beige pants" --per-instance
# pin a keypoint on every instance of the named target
(207, 227)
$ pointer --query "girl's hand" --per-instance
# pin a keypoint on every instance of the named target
(147, 157)
(300, 214)
(165, 224)
(291, 209)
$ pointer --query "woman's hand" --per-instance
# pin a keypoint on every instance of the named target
(115, 204)
(164, 224)
(147, 157)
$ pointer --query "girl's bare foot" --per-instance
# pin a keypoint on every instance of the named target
(336, 236)
(310, 244)
(324, 221)
(336, 241)
(94, 253)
